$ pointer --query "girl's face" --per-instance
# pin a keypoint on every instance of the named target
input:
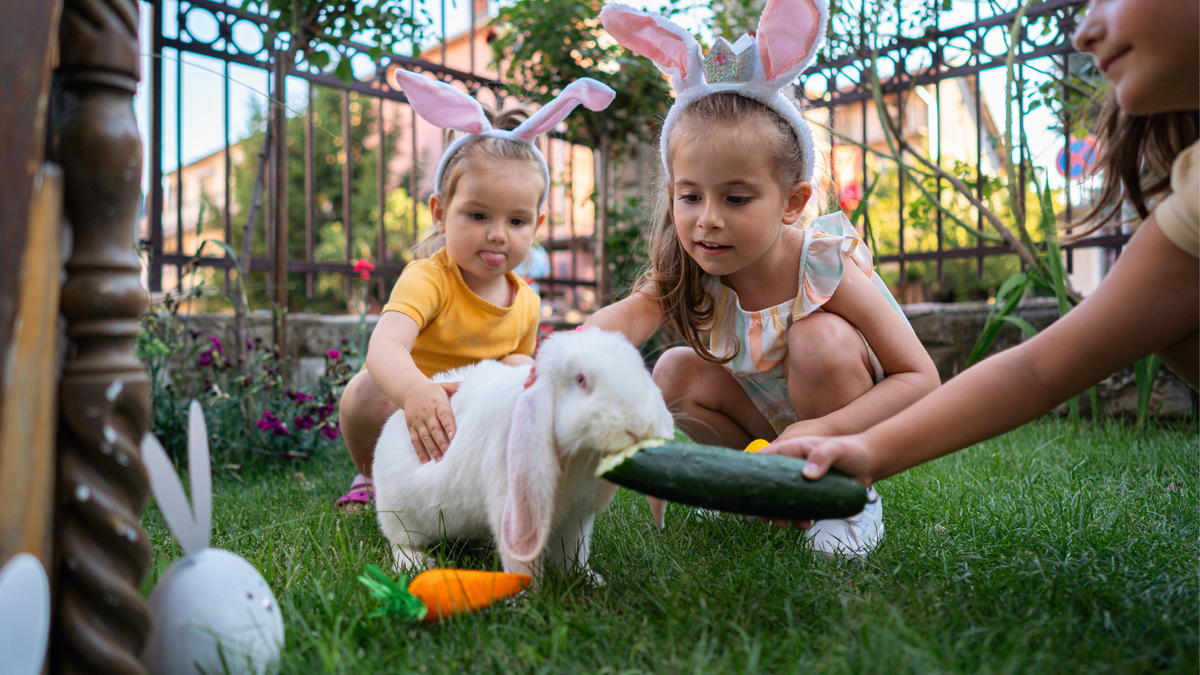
(726, 202)
(1148, 49)
(491, 219)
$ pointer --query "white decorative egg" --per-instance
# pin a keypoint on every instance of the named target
(212, 610)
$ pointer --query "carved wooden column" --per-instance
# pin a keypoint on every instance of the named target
(101, 553)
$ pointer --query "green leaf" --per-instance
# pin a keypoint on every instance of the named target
(1024, 325)
(319, 60)
(344, 72)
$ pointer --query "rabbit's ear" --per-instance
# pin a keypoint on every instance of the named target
(670, 47)
(789, 33)
(441, 104)
(592, 94)
(199, 471)
(24, 615)
(532, 471)
(168, 492)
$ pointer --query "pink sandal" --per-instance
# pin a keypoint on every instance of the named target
(360, 496)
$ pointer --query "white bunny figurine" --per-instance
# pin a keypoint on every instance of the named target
(522, 461)
(213, 612)
(24, 615)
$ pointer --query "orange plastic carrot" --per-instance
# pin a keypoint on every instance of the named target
(448, 592)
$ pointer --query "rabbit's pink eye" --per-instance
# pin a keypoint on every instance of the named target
(581, 380)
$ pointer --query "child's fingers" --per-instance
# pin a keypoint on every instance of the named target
(819, 461)
(446, 419)
(418, 445)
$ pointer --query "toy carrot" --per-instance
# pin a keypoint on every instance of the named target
(448, 592)
(441, 593)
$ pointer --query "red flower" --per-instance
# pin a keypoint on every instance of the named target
(850, 197)
(363, 268)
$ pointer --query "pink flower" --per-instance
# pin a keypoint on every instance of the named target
(330, 431)
(216, 343)
(363, 268)
(333, 354)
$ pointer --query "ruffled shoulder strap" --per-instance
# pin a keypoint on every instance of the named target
(827, 241)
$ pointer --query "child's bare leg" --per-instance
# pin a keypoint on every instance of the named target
(1182, 358)
(715, 409)
(362, 413)
(827, 365)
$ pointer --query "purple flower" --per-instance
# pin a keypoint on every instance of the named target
(303, 422)
(345, 341)
(330, 431)
(216, 343)
(206, 358)
(196, 333)
(325, 410)
(333, 354)
(298, 396)
(271, 422)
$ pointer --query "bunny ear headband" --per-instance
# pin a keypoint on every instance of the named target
(445, 106)
(756, 66)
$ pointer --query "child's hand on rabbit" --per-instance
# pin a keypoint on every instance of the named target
(426, 408)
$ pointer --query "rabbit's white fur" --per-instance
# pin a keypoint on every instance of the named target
(522, 462)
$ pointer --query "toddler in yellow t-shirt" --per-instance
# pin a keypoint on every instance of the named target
(463, 303)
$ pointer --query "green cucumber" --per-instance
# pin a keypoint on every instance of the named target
(769, 486)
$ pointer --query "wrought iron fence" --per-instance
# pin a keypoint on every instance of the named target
(918, 63)
(189, 36)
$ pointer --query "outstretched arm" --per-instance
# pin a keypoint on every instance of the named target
(637, 317)
(1150, 302)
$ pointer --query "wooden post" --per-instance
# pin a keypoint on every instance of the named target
(30, 274)
(100, 621)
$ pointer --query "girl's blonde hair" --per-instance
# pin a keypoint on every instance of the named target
(488, 149)
(1136, 154)
(672, 276)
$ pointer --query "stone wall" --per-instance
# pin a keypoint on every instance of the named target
(948, 332)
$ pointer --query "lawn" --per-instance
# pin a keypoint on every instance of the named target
(1053, 549)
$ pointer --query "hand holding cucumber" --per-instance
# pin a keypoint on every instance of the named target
(845, 454)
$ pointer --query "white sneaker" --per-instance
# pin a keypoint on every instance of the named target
(852, 537)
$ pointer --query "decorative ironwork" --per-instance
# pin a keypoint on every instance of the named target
(923, 54)
(101, 553)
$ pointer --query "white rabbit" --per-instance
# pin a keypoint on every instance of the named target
(523, 458)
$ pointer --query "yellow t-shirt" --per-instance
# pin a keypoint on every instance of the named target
(1178, 214)
(457, 327)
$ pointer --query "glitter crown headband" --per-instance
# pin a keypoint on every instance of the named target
(758, 67)
(445, 106)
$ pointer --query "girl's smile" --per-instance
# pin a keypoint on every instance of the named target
(1147, 49)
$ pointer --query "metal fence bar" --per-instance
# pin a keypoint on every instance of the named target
(310, 189)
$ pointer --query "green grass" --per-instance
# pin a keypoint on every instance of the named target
(1053, 549)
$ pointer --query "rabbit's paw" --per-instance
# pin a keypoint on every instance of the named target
(411, 559)
(593, 577)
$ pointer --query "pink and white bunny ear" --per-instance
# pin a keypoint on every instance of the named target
(592, 94)
(532, 472)
(670, 47)
(441, 104)
(789, 33)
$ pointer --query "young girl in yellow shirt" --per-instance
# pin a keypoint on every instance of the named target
(463, 304)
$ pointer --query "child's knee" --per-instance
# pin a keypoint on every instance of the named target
(362, 401)
(825, 348)
(671, 372)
